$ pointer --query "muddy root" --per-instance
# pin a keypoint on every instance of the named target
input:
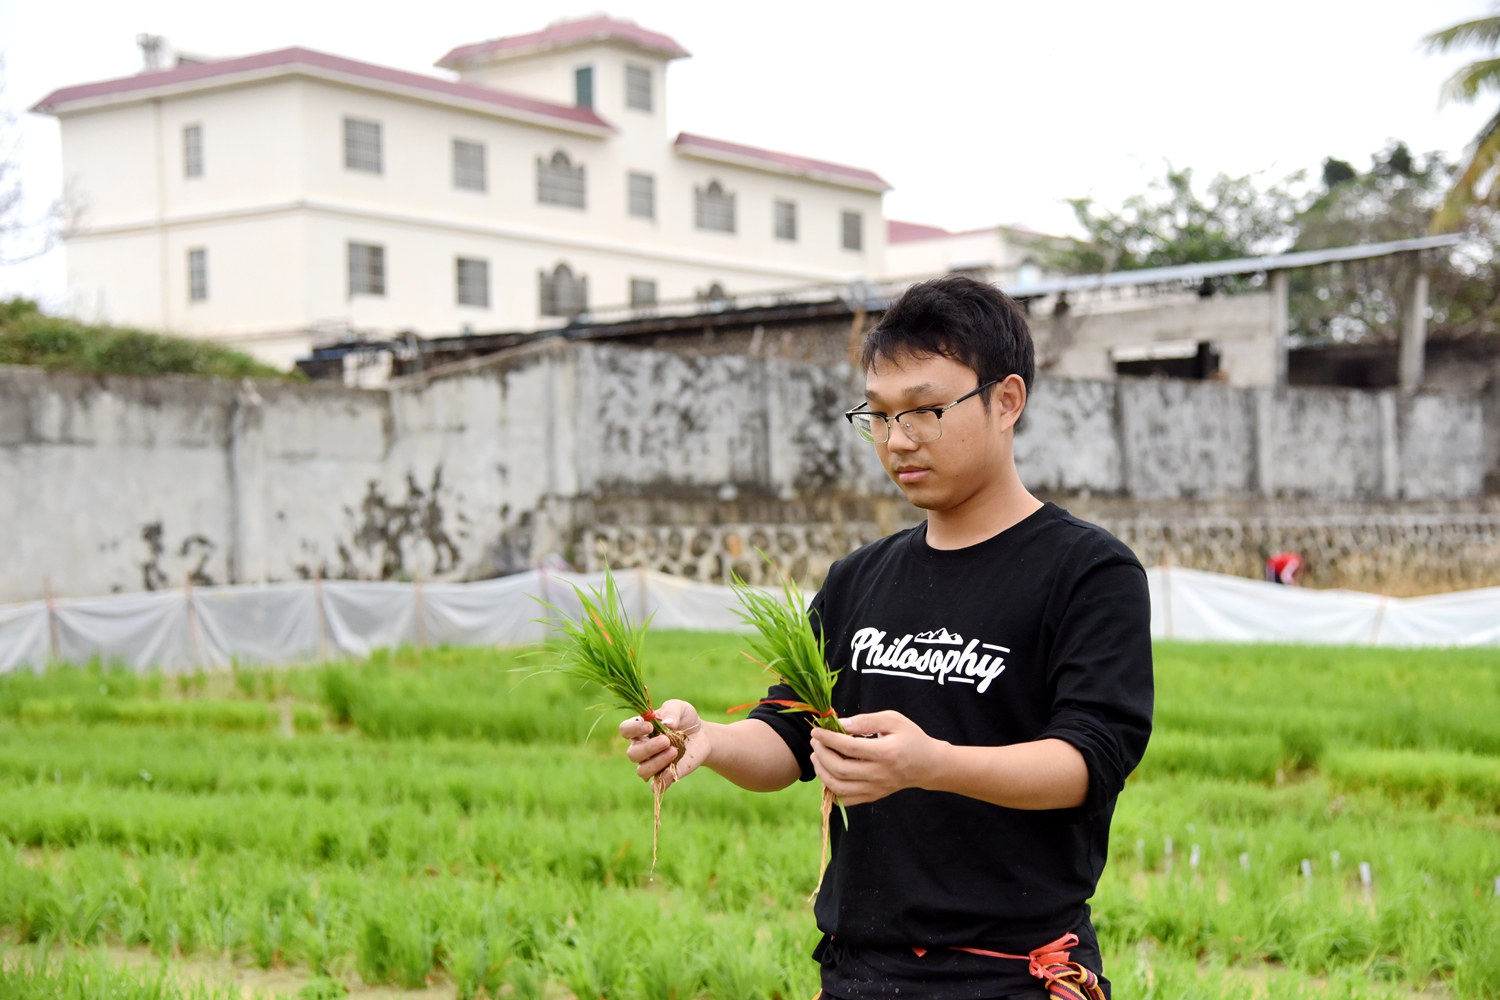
(659, 786)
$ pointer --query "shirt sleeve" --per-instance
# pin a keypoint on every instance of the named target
(1101, 676)
(794, 728)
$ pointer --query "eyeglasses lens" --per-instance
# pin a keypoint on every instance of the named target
(920, 426)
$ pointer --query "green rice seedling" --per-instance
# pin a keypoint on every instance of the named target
(604, 647)
(84, 977)
(786, 644)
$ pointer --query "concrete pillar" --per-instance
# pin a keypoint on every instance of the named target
(1390, 447)
(1263, 404)
(1412, 358)
(248, 542)
(1280, 282)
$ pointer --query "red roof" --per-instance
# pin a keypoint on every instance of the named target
(565, 34)
(784, 163)
(906, 232)
(193, 76)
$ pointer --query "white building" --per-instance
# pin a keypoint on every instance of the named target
(277, 199)
(1007, 255)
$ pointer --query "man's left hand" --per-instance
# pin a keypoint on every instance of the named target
(858, 769)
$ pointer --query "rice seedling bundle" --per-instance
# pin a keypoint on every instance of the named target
(603, 646)
(786, 645)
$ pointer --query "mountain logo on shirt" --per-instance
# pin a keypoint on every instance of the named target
(977, 663)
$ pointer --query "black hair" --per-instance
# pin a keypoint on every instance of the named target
(971, 322)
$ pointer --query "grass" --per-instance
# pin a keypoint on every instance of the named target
(28, 337)
(447, 816)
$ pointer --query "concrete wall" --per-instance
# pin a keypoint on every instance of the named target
(119, 484)
(1077, 343)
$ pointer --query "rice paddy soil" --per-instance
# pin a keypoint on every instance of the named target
(444, 823)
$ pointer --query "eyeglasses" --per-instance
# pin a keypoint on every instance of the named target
(923, 424)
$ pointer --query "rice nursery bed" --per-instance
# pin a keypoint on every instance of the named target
(441, 820)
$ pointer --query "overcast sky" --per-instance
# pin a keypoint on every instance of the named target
(977, 113)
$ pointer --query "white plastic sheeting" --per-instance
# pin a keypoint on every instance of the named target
(1190, 604)
(210, 628)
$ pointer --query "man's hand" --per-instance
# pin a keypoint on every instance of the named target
(654, 754)
(1043, 774)
(860, 770)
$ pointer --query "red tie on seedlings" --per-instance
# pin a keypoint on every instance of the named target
(787, 645)
(603, 646)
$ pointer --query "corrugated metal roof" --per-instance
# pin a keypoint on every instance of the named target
(1193, 273)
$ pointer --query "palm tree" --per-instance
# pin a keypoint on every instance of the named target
(1480, 173)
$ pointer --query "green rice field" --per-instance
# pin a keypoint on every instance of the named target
(445, 822)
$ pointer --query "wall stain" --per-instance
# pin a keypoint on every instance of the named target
(198, 575)
(151, 572)
(387, 526)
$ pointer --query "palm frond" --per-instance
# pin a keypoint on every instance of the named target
(1483, 165)
(1482, 31)
(1472, 80)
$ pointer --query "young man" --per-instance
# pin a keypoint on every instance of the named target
(1000, 653)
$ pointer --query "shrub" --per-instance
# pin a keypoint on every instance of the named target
(28, 337)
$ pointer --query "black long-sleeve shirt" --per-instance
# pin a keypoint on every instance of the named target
(1042, 631)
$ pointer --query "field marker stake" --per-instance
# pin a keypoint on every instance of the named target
(192, 610)
(1379, 617)
(1194, 858)
(1497, 885)
(322, 616)
(1245, 860)
(1166, 596)
(421, 612)
(1307, 869)
(52, 619)
(640, 575)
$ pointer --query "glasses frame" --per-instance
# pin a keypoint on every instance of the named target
(936, 411)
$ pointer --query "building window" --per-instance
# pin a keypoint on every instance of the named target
(638, 88)
(786, 220)
(714, 209)
(366, 269)
(198, 275)
(642, 292)
(643, 196)
(563, 294)
(583, 86)
(468, 165)
(362, 145)
(854, 231)
(192, 151)
(473, 282)
(558, 182)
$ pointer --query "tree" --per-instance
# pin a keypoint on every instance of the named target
(1479, 182)
(1395, 199)
(1359, 301)
(23, 235)
(1172, 224)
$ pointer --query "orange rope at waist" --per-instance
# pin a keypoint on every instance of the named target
(1065, 980)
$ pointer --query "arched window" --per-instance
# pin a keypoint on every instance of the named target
(562, 294)
(558, 182)
(714, 208)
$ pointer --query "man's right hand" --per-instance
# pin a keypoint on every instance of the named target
(654, 754)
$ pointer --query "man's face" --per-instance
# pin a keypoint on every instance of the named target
(975, 441)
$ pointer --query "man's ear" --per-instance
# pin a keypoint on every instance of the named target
(1008, 400)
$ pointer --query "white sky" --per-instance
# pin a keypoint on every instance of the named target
(977, 112)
